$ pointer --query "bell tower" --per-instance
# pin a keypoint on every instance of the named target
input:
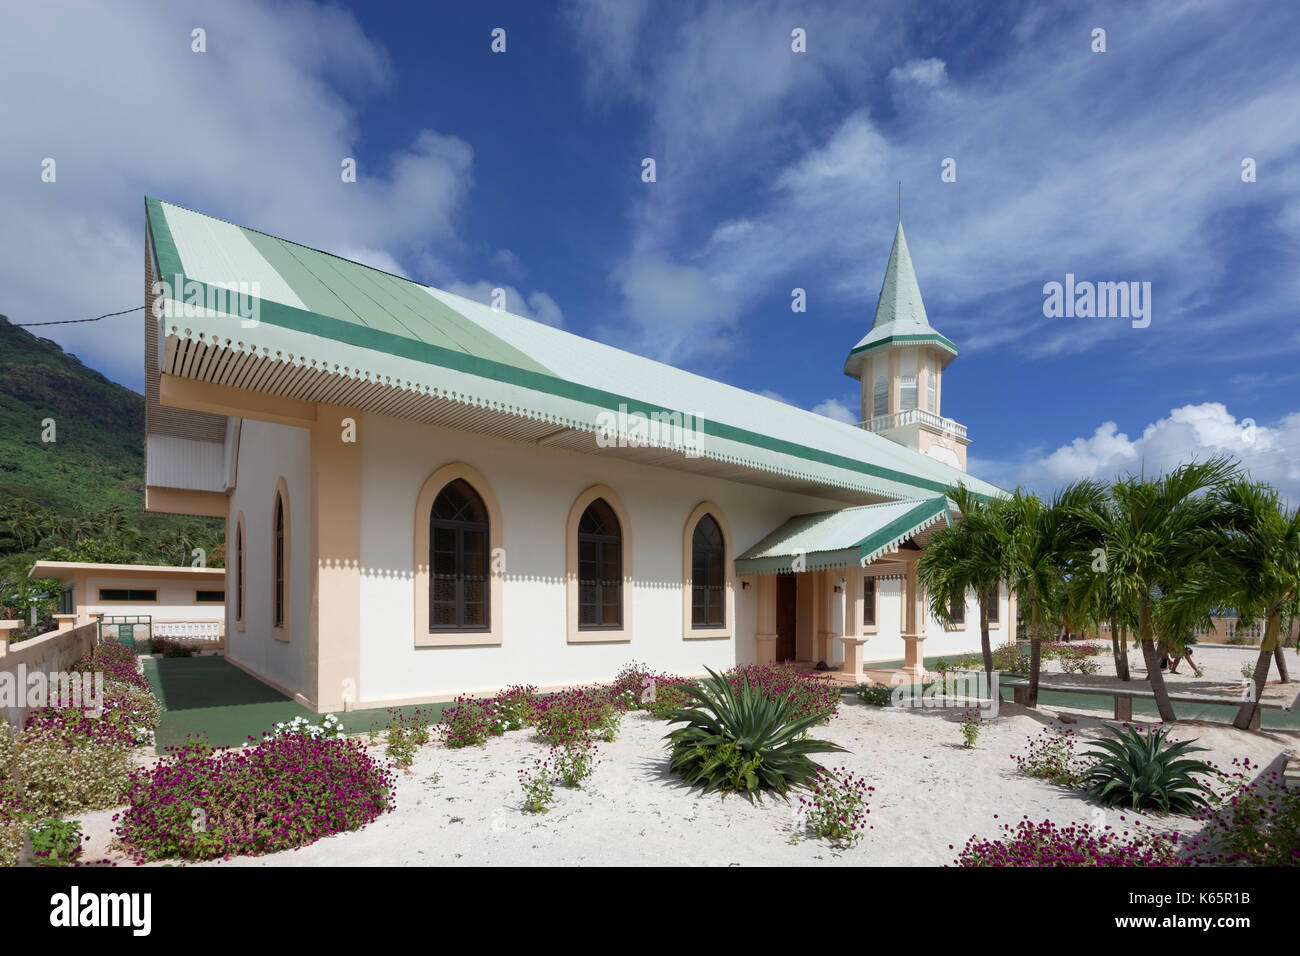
(900, 364)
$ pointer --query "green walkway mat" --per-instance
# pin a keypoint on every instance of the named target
(212, 697)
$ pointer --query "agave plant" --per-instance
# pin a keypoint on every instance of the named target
(1143, 771)
(742, 741)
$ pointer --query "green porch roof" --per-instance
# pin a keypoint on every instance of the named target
(843, 538)
(320, 315)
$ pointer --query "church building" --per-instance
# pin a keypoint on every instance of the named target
(426, 497)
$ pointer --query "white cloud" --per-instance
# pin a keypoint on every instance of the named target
(1271, 453)
(678, 312)
(927, 72)
(1033, 129)
(254, 130)
(836, 409)
(535, 305)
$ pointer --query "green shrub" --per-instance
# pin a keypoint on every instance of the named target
(1143, 771)
(574, 761)
(878, 695)
(65, 774)
(836, 806)
(539, 789)
(55, 842)
(740, 740)
(406, 735)
(971, 725)
(1051, 756)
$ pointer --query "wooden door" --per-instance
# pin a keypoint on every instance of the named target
(786, 591)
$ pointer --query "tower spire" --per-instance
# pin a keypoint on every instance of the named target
(900, 200)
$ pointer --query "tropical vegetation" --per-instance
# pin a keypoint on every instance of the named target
(743, 740)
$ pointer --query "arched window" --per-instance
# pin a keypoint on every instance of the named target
(708, 576)
(279, 600)
(458, 560)
(600, 568)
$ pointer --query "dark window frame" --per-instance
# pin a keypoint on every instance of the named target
(460, 529)
(278, 597)
(957, 604)
(869, 596)
(200, 599)
(713, 558)
(239, 571)
(609, 574)
(992, 599)
(130, 595)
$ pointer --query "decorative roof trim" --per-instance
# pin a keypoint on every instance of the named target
(298, 320)
(921, 518)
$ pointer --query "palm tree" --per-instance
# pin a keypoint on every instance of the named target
(964, 556)
(1164, 530)
(1040, 543)
(1258, 570)
(1095, 593)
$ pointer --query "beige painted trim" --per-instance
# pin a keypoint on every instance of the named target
(183, 501)
(334, 542)
(689, 631)
(282, 632)
(238, 613)
(178, 392)
(611, 636)
(496, 570)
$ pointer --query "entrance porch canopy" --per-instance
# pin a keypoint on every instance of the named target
(844, 538)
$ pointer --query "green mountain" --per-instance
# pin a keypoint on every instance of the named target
(96, 459)
(79, 496)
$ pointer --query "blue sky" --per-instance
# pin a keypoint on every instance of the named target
(775, 170)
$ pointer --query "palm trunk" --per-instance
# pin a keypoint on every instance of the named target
(1152, 658)
(985, 646)
(1035, 665)
(1119, 647)
(1267, 647)
(1279, 653)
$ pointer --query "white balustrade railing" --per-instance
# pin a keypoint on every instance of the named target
(197, 632)
(912, 416)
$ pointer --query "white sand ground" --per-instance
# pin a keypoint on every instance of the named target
(465, 806)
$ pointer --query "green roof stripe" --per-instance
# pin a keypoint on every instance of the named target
(935, 337)
(488, 356)
(902, 526)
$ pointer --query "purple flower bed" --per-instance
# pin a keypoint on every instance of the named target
(1046, 844)
(813, 696)
(115, 661)
(279, 794)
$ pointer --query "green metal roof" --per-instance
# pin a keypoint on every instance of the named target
(900, 314)
(327, 314)
(843, 538)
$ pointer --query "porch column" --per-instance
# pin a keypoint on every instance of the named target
(825, 591)
(913, 624)
(765, 636)
(854, 638)
(334, 659)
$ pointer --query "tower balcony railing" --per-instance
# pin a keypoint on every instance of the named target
(913, 416)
